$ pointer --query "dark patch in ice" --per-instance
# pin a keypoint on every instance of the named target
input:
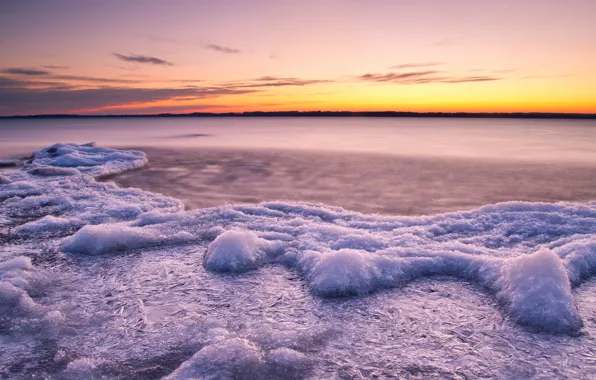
(53, 171)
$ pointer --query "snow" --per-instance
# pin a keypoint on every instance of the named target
(538, 292)
(235, 358)
(231, 359)
(134, 269)
(4, 180)
(235, 251)
(93, 240)
(47, 224)
(89, 159)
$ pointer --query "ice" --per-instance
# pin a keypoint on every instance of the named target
(89, 159)
(231, 359)
(47, 224)
(104, 238)
(235, 251)
(235, 358)
(47, 171)
(538, 292)
(132, 273)
(342, 273)
(4, 180)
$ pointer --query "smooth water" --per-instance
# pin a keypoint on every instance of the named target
(503, 139)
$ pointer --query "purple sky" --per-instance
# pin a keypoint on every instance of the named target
(150, 56)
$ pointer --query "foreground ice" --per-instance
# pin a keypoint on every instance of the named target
(122, 275)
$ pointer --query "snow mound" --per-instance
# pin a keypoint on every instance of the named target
(235, 251)
(231, 359)
(4, 180)
(236, 358)
(47, 225)
(93, 240)
(538, 293)
(342, 273)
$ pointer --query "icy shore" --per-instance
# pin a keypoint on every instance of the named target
(528, 256)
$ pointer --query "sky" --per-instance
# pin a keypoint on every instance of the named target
(145, 56)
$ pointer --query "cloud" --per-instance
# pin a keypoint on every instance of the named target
(93, 79)
(223, 49)
(272, 81)
(18, 100)
(416, 65)
(55, 67)
(424, 77)
(22, 71)
(142, 59)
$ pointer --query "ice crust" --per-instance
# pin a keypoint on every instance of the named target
(528, 256)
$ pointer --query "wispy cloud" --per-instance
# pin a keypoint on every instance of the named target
(416, 65)
(425, 77)
(24, 71)
(272, 81)
(142, 59)
(223, 49)
(18, 100)
(52, 67)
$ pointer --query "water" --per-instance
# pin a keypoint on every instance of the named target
(500, 139)
(393, 166)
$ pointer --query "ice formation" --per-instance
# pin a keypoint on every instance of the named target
(235, 251)
(528, 256)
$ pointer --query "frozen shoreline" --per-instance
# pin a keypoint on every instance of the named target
(528, 256)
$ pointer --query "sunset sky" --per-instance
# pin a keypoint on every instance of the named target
(117, 57)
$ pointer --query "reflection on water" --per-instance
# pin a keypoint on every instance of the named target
(360, 182)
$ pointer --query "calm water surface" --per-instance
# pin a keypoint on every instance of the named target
(374, 165)
(510, 139)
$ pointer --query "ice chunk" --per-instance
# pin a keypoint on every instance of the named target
(235, 251)
(231, 359)
(342, 273)
(47, 224)
(104, 238)
(538, 293)
(15, 301)
(89, 159)
(4, 180)
(21, 263)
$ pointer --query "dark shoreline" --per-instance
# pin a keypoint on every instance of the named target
(396, 114)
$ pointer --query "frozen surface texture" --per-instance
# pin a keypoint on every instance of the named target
(121, 283)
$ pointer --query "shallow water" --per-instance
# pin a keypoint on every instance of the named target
(369, 183)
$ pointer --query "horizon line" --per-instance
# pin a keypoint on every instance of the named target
(528, 115)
